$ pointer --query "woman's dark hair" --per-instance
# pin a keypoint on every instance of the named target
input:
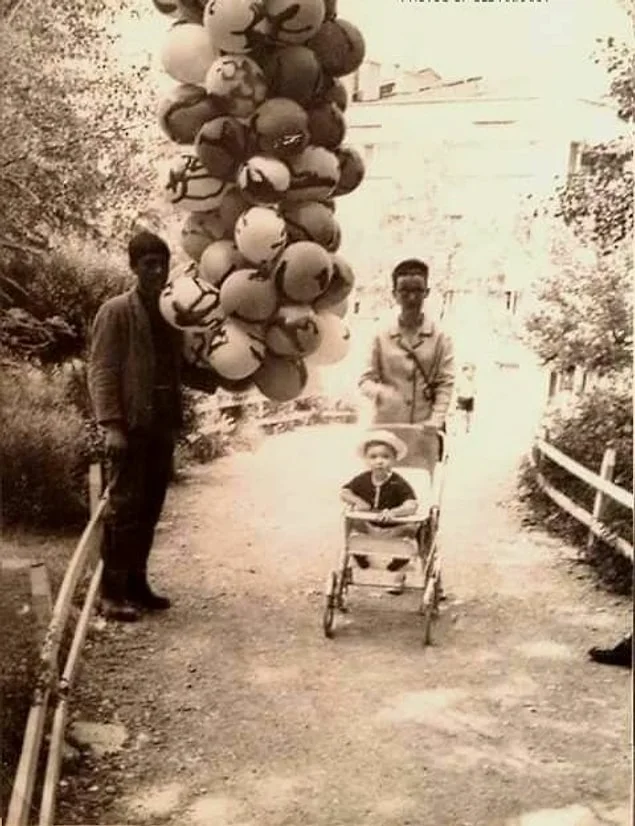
(411, 266)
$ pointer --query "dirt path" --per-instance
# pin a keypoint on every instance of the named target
(240, 713)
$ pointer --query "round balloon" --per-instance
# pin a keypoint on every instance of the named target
(187, 53)
(293, 331)
(294, 21)
(184, 111)
(340, 286)
(351, 170)
(315, 173)
(303, 271)
(201, 228)
(221, 145)
(334, 91)
(280, 127)
(191, 10)
(190, 186)
(340, 309)
(195, 347)
(189, 303)
(312, 221)
(235, 26)
(220, 259)
(263, 180)
(280, 379)
(249, 295)
(339, 46)
(260, 235)
(335, 339)
(168, 7)
(237, 83)
(234, 352)
(327, 126)
(293, 72)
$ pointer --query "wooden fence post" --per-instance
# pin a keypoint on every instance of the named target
(607, 469)
(95, 486)
(41, 599)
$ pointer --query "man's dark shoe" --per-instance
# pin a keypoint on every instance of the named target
(142, 596)
(111, 609)
(621, 654)
(145, 598)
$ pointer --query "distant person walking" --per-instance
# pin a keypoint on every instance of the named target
(466, 393)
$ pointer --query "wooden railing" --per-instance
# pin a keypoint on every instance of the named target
(602, 484)
(50, 687)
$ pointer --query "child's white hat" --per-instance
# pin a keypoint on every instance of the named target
(384, 437)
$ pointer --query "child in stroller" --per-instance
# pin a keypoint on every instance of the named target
(382, 491)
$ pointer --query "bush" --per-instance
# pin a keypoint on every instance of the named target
(44, 451)
(583, 432)
(63, 288)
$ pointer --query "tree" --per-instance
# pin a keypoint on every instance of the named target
(75, 127)
(583, 312)
(71, 125)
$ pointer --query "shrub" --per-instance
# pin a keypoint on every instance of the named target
(44, 451)
(583, 432)
(57, 298)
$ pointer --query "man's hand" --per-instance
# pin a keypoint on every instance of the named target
(116, 442)
(387, 396)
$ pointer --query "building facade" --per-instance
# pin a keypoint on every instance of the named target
(450, 169)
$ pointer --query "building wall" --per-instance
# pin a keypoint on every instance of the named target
(457, 171)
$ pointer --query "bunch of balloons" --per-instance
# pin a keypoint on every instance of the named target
(258, 114)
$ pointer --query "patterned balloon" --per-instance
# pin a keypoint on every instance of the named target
(184, 111)
(280, 127)
(315, 173)
(351, 170)
(281, 379)
(303, 271)
(335, 340)
(339, 46)
(340, 286)
(260, 235)
(187, 53)
(235, 26)
(191, 10)
(221, 145)
(234, 352)
(249, 294)
(327, 126)
(312, 221)
(189, 303)
(220, 259)
(294, 331)
(263, 180)
(191, 187)
(333, 91)
(201, 228)
(237, 83)
(294, 21)
(293, 72)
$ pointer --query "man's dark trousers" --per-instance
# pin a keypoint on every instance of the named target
(139, 485)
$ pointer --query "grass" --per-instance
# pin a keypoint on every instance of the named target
(19, 646)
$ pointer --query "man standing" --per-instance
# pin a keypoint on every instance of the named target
(134, 377)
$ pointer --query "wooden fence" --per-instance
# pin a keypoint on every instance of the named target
(51, 687)
(601, 482)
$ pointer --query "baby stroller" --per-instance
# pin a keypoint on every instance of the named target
(424, 467)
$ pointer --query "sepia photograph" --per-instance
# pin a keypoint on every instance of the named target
(316, 412)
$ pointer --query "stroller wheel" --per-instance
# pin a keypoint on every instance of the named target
(328, 619)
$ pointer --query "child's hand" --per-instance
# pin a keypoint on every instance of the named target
(384, 516)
